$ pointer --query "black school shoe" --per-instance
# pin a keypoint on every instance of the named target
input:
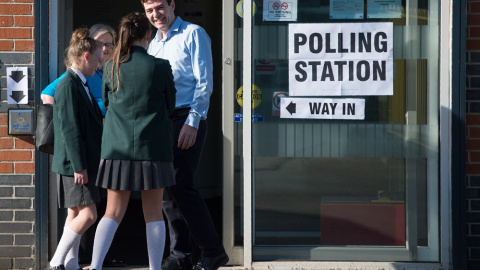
(58, 267)
(211, 263)
(172, 264)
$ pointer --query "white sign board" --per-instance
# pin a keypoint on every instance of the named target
(280, 10)
(17, 85)
(341, 59)
(384, 9)
(322, 108)
(346, 9)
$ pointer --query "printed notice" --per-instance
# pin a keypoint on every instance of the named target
(341, 59)
(389, 9)
(280, 10)
(322, 108)
(346, 9)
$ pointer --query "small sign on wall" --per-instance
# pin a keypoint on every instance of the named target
(17, 85)
(20, 122)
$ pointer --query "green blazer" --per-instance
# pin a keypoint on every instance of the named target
(78, 128)
(137, 124)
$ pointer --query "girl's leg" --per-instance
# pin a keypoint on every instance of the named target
(117, 202)
(71, 261)
(79, 219)
(152, 210)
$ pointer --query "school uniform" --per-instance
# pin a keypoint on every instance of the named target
(137, 140)
(78, 131)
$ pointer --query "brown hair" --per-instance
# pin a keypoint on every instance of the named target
(133, 27)
(144, 1)
(79, 43)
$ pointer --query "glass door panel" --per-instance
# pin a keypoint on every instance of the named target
(343, 189)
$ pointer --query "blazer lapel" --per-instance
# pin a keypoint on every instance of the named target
(90, 103)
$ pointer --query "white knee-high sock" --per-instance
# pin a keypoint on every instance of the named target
(69, 237)
(155, 243)
(71, 261)
(103, 239)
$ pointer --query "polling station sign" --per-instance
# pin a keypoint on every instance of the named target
(341, 59)
(322, 108)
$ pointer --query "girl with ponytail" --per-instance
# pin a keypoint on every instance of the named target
(139, 95)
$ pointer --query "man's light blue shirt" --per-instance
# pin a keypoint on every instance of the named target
(188, 48)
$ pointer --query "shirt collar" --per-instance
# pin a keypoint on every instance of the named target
(79, 74)
(175, 26)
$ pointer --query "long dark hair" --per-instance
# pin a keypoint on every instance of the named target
(133, 27)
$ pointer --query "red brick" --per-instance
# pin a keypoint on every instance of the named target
(473, 144)
(24, 45)
(24, 143)
(3, 119)
(4, 131)
(5, 0)
(6, 45)
(474, 32)
(6, 143)
(472, 169)
(475, 156)
(25, 167)
(473, 119)
(6, 21)
(475, 7)
(13, 32)
(24, 1)
(473, 19)
(24, 20)
(16, 155)
(6, 167)
(474, 132)
(16, 9)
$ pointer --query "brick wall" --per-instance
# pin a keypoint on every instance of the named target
(17, 165)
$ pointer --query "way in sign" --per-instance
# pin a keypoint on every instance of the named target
(329, 108)
(322, 108)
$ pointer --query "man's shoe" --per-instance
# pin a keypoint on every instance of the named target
(172, 264)
(211, 263)
(58, 267)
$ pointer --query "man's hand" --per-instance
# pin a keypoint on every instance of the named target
(81, 177)
(187, 137)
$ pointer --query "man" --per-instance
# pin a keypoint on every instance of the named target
(187, 47)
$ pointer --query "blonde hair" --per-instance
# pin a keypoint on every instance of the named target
(100, 28)
(79, 43)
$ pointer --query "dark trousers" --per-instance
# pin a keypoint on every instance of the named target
(186, 212)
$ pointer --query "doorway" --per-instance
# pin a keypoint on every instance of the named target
(72, 14)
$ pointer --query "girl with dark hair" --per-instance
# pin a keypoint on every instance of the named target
(139, 96)
(78, 132)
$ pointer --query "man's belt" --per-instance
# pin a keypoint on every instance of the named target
(180, 112)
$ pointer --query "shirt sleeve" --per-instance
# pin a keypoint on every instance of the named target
(50, 89)
(202, 65)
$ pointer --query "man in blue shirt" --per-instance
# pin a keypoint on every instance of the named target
(187, 47)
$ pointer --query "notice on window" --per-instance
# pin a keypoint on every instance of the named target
(274, 10)
(340, 59)
(322, 108)
(346, 9)
(389, 9)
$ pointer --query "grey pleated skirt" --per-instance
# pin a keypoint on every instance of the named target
(70, 194)
(135, 175)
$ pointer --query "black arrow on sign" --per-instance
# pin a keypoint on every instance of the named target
(17, 95)
(17, 75)
(292, 108)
